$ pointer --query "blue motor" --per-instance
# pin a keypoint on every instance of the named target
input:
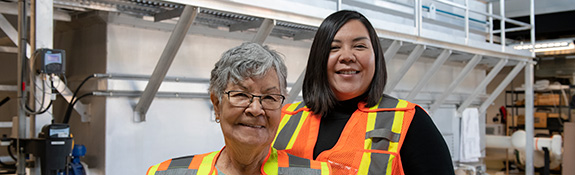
(76, 167)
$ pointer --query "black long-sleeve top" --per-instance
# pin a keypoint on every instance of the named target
(424, 150)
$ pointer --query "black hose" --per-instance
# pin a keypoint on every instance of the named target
(4, 101)
(12, 154)
(73, 100)
(67, 118)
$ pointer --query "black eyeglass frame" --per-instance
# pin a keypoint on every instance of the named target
(252, 96)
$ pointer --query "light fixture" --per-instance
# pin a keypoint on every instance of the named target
(550, 45)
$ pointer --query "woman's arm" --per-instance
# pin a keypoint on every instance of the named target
(424, 150)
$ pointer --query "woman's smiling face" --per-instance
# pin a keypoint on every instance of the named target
(351, 63)
(251, 125)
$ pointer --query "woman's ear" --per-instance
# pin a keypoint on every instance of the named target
(216, 103)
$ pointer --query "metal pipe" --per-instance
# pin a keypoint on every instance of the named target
(515, 29)
(165, 61)
(482, 85)
(452, 4)
(418, 17)
(22, 29)
(532, 21)
(490, 9)
(502, 23)
(466, 70)
(466, 21)
(147, 77)
(158, 94)
(529, 119)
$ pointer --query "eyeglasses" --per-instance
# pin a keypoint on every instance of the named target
(243, 99)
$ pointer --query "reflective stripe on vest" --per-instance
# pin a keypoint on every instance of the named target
(277, 162)
(292, 125)
(196, 164)
(383, 125)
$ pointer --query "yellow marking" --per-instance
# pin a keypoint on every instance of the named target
(206, 165)
(364, 166)
(153, 169)
(297, 129)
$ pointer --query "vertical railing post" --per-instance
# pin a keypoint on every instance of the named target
(490, 10)
(466, 21)
(529, 170)
(502, 23)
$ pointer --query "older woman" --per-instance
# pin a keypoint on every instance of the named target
(247, 88)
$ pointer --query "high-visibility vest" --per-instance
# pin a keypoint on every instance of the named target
(369, 143)
(277, 162)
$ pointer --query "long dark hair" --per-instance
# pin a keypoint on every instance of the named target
(317, 94)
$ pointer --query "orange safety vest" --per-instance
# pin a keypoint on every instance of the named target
(277, 162)
(369, 143)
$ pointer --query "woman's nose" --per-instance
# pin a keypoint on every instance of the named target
(255, 108)
(347, 56)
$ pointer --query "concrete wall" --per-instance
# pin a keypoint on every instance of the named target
(84, 40)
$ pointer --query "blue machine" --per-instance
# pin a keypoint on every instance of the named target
(76, 167)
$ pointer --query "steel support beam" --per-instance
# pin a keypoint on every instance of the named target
(8, 49)
(502, 85)
(12, 33)
(392, 50)
(483, 84)
(296, 88)
(466, 70)
(264, 31)
(12, 9)
(41, 36)
(529, 118)
(432, 70)
(413, 56)
(172, 47)
(9, 88)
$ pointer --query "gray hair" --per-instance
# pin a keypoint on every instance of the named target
(245, 61)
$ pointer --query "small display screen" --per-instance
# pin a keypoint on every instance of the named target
(50, 58)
